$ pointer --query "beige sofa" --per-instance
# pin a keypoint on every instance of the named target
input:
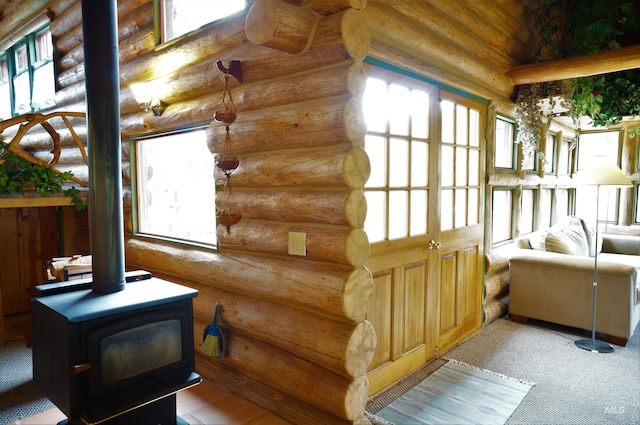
(552, 273)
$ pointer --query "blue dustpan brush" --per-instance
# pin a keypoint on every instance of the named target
(212, 344)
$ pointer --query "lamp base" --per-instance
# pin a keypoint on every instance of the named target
(594, 346)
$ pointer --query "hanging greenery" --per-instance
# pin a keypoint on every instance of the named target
(573, 28)
(18, 176)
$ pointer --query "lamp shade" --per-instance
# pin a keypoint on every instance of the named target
(601, 172)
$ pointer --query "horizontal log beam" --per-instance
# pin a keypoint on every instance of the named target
(280, 25)
(342, 397)
(338, 244)
(310, 124)
(344, 348)
(344, 208)
(290, 407)
(339, 167)
(580, 66)
(328, 290)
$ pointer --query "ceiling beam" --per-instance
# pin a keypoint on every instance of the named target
(579, 66)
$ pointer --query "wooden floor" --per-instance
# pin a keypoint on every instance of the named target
(206, 403)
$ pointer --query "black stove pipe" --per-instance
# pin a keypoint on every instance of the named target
(102, 81)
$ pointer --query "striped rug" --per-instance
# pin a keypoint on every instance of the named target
(458, 393)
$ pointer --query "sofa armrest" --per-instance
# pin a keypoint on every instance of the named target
(621, 244)
(569, 263)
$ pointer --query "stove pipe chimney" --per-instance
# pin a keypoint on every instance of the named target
(102, 81)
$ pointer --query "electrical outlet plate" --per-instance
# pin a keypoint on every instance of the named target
(297, 243)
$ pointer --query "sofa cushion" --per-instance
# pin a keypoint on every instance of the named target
(568, 238)
(591, 239)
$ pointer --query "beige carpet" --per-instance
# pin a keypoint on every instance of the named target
(573, 386)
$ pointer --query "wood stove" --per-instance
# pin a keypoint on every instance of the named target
(114, 358)
(117, 352)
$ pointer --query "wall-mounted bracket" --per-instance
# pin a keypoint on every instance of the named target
(234, 69)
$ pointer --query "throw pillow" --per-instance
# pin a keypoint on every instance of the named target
(591, 239)
(569, 239)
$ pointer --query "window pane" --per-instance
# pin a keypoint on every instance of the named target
(5, 102)
(545, 208)
(637, 218)
(564, 160)
(461, 208)
(374, 104)
(446, 209)
(399, 111)
(419, 164)
(21, 59)
(375, 222)
(399, 163)
(44, 46)
(462, 136)
(474, 167)
(501, 224)
(398, 213)
(474, 127)
(461, 167)
(474, 207)
(562, 204)
(44, 91)
(183, 16)
(526, 225)
(418, 212)
(377, 152)
(446, 107)
(419, 114)
(170, 204)
(446, 169)
(549, 152)
(22, 93)
(504, 144)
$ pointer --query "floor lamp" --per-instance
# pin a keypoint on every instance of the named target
(603, 172)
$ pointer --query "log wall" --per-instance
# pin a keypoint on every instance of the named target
(298, 341)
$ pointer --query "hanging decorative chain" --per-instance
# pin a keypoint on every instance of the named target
(226, 160)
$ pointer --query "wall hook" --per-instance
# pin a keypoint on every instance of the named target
(234, 69)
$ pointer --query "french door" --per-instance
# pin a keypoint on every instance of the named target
(424, 220)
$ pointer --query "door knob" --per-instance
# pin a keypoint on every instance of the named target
(434, 244)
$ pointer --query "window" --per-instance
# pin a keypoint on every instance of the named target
(606, 144)
(27, 79)
(505, 143)
(550, 153)
(175, 187)
(565, 158)
(502, 222)
(460, 182)
(636, 190)
(397, 143)
(528, 211)
(179, 17)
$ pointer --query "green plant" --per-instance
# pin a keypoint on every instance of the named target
(578, 27)
(18, 176)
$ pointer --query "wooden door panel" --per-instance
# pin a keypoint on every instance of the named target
(414, 323)
(379, 316)
(468, 290)
(447, 291)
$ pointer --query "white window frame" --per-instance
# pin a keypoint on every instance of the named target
(174, 187)
(178, 18)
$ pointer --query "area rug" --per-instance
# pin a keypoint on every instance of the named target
(458, 393)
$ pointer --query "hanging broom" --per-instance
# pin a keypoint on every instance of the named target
(211, 344)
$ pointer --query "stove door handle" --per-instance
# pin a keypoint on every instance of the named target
(79, 368)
